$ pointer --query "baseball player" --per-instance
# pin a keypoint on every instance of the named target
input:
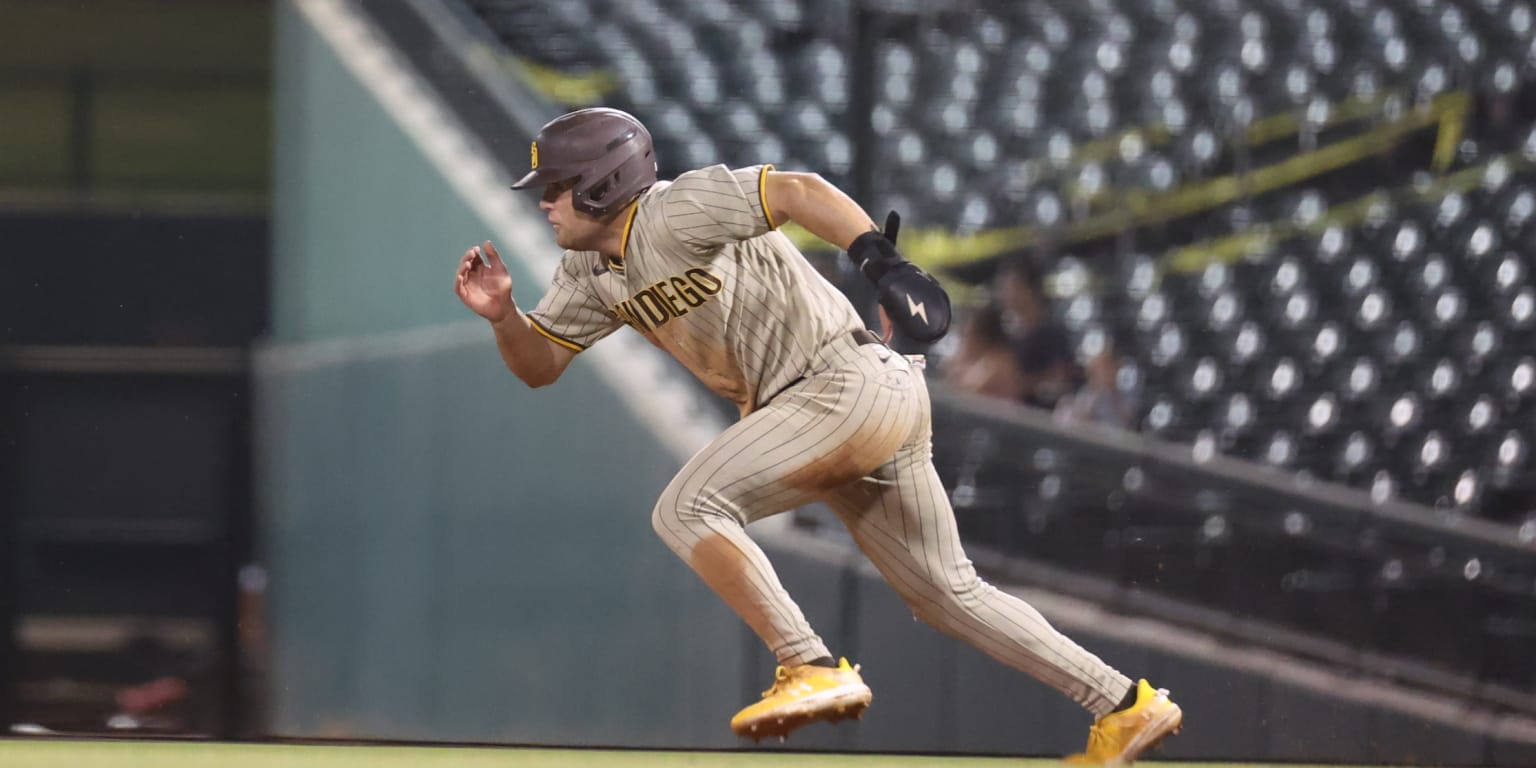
(828, 411)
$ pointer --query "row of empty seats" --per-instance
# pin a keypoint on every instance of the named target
(1398, 355)
(1394, 354)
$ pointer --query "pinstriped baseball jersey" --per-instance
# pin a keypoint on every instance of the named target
(705, 276)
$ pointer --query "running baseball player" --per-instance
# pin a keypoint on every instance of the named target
(828, 411)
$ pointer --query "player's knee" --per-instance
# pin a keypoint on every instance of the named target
(696, 508)
(666, 521)
(679, 518)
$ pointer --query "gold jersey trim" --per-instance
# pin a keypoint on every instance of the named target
(548, 334)
(629, 224)
(762, 194)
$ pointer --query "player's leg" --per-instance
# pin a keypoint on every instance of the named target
(782, 456)
(902, 519)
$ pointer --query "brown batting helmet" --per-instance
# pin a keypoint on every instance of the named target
(607, 151)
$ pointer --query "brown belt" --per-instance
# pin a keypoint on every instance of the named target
(860, 337)
(865, 336)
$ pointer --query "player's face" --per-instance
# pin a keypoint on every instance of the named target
(573, 229)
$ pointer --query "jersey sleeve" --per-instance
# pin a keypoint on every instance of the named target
(571, 314)
(712, 206)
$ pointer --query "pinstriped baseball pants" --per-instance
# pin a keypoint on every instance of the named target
(856, 434)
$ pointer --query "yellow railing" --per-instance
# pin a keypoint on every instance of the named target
(1194, 257)
(938, 249)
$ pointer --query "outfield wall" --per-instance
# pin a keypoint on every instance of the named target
(455, 557)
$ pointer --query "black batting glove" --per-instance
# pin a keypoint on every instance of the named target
(917, 305)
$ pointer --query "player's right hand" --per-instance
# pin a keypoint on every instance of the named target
(484, 286)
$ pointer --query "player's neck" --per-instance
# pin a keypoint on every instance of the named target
(612, 243)
(615, 237)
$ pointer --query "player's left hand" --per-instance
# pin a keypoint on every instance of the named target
(910, 299)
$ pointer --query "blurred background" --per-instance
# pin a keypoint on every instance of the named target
(1241, 391)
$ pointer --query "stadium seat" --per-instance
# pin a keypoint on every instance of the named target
(1355, 456)
(1445, 310)
(1402, 417)
(1204, 380)
(1402, 345)
(1510, 457)
(1238, 415)
(1283, 380)
(1162, 418)
(1361, 380)
(1519, 380)
(1170, 345)
(1518, 311)
(1226, 311)
(1510, 275)
(1443, 381)
(1481, 417)
(1481, 344)
(1374, 310)
(1280, 450)
(1328, 344)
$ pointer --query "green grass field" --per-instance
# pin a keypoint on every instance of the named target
(160, 754)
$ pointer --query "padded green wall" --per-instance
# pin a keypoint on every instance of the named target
(453, 555)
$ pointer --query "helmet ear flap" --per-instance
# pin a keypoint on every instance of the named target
(593, 200)
(600, 191)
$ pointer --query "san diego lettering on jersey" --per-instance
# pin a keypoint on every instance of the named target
(656, 304)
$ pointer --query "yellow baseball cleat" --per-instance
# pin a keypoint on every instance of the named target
(803, 695)
(1118, 738)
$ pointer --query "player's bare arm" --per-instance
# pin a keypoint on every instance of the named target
(484, 285)
(816, 204)
(909, 298)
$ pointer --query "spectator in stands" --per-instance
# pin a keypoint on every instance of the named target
(1102, 399)
(1041, 344)
(985, 362)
